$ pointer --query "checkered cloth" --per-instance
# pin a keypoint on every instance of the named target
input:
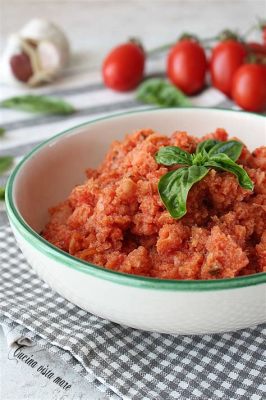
(123, 362)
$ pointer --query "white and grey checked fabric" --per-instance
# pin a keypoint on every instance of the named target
(123, 362)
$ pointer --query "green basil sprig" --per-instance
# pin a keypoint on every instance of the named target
(161, 93)
(38, 104)
(2, 131)
(174, 186)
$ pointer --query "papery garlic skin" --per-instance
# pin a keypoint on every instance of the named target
(44, 44)
(39, 30)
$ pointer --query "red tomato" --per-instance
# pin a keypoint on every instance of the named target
(226, 58)
(123, 67)
(249, 87)
(187, 65)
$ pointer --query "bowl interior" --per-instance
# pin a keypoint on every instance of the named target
(50, 172)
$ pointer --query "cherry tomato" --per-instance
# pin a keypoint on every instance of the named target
(249, 87)
(123, 67)
(226, 58)
(187, 66)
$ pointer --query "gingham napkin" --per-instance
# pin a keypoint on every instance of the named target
(123, 362)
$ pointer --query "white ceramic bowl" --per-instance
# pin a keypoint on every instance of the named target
(50, 171)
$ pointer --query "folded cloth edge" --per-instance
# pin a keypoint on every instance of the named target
(17, 334)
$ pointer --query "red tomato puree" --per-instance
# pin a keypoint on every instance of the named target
(116, 219)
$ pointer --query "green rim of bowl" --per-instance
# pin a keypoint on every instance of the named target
(100, 272)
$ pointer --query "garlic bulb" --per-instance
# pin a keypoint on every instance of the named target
(34, 55)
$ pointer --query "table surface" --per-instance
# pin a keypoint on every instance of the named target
(93, 28)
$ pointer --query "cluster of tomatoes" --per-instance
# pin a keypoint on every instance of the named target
(236, 67)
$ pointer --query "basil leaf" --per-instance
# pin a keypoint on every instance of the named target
(171, 155)
(162, 93)
(38, 104)
(2, 193)
(2, 132)
(206, 145)
(5, 163)
(232, 149)
(222, 161)
(174, 187)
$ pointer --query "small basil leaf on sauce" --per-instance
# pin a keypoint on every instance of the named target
(2, 132)
(174, 187)
(232, 149)
(222, 161)
(161, 93)
(38, 104)
(171, 155)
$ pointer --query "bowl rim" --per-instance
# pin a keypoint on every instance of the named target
(64, 258)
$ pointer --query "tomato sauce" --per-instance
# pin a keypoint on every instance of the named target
(117, 220)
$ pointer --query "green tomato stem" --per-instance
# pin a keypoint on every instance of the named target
(160, 49)
(204, 41)
(167, 46)
(258, 26)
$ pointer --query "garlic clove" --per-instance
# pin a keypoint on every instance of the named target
(21, 67)
(49, 56)
(29, 47)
